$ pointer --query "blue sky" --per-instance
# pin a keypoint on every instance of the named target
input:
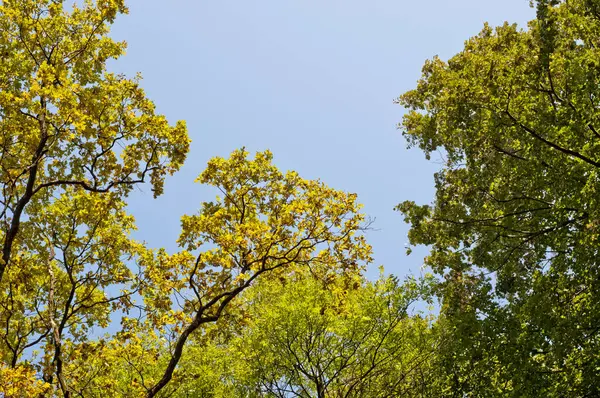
(311, 80)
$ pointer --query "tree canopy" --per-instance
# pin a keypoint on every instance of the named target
(265, 294)
(344, 338)
(75, 140)
(514, 226)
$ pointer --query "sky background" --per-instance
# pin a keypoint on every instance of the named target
(311, 80)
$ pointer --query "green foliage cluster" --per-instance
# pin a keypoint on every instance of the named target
(265, 296)
(514, 226)
(301, 337)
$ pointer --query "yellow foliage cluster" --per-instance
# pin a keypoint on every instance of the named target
(76, 139)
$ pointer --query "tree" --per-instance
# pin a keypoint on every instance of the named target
(344, 338)
(514, 227)
(266, 223)
(75, 140)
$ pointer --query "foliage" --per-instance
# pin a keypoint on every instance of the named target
(20, 382)
(514, 227)
(265, 294)
(304, 337)
(75, 141)
(265, 223)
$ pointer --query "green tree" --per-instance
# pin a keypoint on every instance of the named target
(514, 228)
(305, 337)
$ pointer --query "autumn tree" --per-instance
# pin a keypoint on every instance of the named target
(265, 223)
(74, 141)
(514, 228)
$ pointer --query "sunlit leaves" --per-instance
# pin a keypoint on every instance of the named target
(74, 141)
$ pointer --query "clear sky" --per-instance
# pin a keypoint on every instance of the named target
(311, 80)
